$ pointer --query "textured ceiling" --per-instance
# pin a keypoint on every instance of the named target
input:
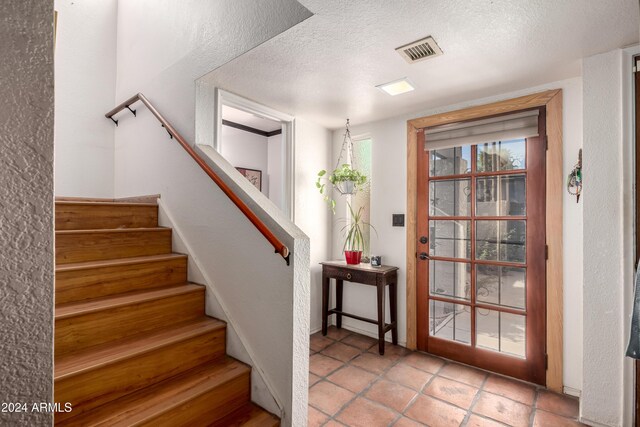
(325, 69)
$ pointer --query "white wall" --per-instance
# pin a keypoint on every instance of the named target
(26, 218)
(163, 47)
(608, 237)
(312, 154)
(85, 81)
(246, 150)
(388, 196)
(275, 161)
(232, 255)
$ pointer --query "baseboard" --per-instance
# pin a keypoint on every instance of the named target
(592, 423)
(313, 331)
(572, 391)
(387, 337)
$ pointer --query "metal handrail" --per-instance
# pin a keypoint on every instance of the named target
(279, 247)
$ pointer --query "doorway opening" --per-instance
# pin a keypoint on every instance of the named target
(481, 221)
(551, 100)
(258, 142)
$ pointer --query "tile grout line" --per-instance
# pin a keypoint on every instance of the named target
(532, 417)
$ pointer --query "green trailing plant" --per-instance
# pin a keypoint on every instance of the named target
(339, 175)
(353, 231)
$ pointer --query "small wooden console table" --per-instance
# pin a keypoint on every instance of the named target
(380, 277)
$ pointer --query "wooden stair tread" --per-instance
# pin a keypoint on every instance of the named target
(250, 415)
(133, 345)
(79, 308)
(117, 262)
(146, 404)
(69, 365)
(100, 203)
(112, 230)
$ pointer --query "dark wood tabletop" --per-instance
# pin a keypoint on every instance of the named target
(360, 267)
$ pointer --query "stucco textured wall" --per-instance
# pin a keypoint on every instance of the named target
(604, 228)
(26, 208)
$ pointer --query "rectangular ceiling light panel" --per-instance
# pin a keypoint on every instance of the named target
(396, 87)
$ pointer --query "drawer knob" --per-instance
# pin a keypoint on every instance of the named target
(349, 276)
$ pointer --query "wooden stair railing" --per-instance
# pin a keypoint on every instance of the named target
(279, 247)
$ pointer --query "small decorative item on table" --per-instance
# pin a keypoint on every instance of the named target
(376, 261)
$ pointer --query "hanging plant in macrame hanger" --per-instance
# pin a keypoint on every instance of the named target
(345, 178)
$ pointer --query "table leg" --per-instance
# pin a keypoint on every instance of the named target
(326, 281)
(381, 305)
(339, 287)
(393, 308)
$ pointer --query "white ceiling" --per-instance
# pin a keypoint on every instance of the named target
(249, 119)
(326, 68)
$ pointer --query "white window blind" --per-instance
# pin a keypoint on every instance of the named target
(518, 125)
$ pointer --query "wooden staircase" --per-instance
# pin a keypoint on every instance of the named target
(133, 346)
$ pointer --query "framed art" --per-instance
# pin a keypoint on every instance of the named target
(253, 175)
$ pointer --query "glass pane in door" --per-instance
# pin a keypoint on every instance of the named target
(501, 332)
(502, 195)
(450, 321)
(500, 285)
(450, 239)
(450, 197)
(501, 155)
(450, 279)
(450, 161)
(501, 240)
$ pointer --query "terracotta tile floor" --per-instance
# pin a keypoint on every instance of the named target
(351, 385)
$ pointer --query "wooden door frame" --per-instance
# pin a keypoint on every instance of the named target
(552, 100)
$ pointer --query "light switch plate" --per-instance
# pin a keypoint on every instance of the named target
(398, 220)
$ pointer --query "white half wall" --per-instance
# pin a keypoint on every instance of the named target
(163, 48)
(85, 84)
(265, 300)
(388, 196)
(608, 233)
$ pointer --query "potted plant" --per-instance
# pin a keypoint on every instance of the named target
(344, 179)
(354, 242)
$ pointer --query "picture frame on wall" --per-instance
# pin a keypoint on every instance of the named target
(253, 175)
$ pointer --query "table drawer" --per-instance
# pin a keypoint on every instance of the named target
(350, 275)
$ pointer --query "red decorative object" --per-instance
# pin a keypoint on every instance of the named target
(353, 257)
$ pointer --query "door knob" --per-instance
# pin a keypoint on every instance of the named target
(423, 256)
(424, 240)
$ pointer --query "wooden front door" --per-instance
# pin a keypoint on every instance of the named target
(481, 254)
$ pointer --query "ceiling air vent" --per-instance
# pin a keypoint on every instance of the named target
(419, 50)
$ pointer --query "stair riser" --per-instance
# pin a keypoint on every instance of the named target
(88, 390)
(91, 217)
(105, 245)
(74, 334)
(208, 407)
(78, 285)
